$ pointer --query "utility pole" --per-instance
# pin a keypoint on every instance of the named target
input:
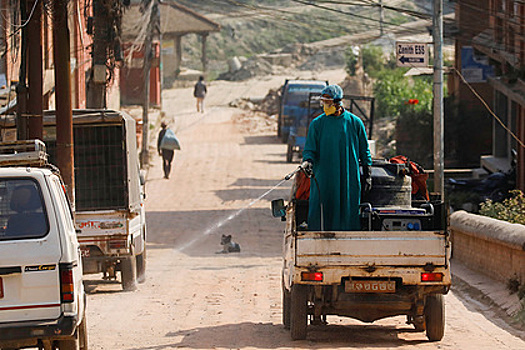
(64, 114)
(381, 17)
(439, 181)
(96, 87)
(144, 154)
(21, 87)
(35, 103)
(152, 30)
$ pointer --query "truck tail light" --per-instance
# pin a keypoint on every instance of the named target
(312, 276)
(67, 285)
(431, 277)
(117, 244)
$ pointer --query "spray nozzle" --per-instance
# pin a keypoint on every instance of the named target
(289, 176)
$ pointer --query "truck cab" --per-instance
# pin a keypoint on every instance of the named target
(42, 298)
(294, 103)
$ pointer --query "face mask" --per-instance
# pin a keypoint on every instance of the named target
(328, 110)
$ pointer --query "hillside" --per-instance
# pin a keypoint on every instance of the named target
(252, 27)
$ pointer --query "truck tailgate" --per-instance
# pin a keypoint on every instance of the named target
(358, 248)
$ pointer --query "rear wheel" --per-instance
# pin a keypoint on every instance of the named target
(435, 317)
(286, 307)
(298, 312)
(80, 340)
(289, 154)
(83, 337)
(141, 267)
(70, 344)
(128, 272)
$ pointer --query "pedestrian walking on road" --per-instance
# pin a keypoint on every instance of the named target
(335, 145)
(166, 154)
(199, 92)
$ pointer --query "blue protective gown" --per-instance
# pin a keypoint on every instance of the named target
(335, 144)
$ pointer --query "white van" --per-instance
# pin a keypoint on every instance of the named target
(42, 299)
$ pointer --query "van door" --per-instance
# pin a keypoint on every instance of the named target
(29, 250)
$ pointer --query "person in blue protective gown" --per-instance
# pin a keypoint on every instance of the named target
(335, 145)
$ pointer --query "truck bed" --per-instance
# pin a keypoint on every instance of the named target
(363, 248)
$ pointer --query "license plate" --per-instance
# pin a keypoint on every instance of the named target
(84, 252)
(370, 286)
(1, 288)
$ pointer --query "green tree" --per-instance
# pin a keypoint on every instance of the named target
(351, 61)
(373, 60)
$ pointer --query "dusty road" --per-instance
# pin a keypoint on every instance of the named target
(196, 299)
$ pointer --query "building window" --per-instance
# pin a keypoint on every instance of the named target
(511, 48)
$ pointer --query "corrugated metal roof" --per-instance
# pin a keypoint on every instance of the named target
(175, 19)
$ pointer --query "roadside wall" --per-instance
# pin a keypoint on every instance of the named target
(493, 247)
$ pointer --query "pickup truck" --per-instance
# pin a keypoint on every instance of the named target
(397, 265)
(109, 192)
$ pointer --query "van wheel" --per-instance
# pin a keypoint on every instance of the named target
(289, 154)
(79, 342)
(83, 335)
(141, 267)
(435, 317)
(298, 312)
(128, 272)
(286, 307)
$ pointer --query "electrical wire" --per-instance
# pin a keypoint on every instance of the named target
(487, 107)
(413, 13)
(20, 26)
(368, 26)
(303, 2)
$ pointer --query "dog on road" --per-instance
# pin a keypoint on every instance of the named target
(228, 245)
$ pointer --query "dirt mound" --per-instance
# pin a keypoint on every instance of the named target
(269, 104)
(249, 69)
(325, 59)
(254, 122)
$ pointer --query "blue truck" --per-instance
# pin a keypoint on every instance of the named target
(294, 103)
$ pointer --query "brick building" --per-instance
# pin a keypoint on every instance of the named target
(80, 54)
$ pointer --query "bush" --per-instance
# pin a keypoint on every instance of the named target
(373, 60)
(351, 60)
(511, 209)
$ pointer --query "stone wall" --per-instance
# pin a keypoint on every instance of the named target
(493, 247)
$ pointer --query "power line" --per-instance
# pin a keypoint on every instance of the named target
(417, 14)
(486, 105)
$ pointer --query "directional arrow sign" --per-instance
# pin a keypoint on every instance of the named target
(411, 54)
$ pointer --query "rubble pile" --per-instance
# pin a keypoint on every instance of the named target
(249, 69)
(270, 103)
(254, 122)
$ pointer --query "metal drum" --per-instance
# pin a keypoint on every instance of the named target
(390, 185)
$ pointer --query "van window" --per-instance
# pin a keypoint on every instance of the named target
(22, 210)
(297, 95)
(63, 204)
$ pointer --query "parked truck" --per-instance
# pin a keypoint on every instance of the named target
(398, 264)
(109, 196)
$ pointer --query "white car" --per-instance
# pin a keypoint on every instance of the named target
(42, 298)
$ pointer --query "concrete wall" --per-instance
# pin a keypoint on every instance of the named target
(493, 247)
